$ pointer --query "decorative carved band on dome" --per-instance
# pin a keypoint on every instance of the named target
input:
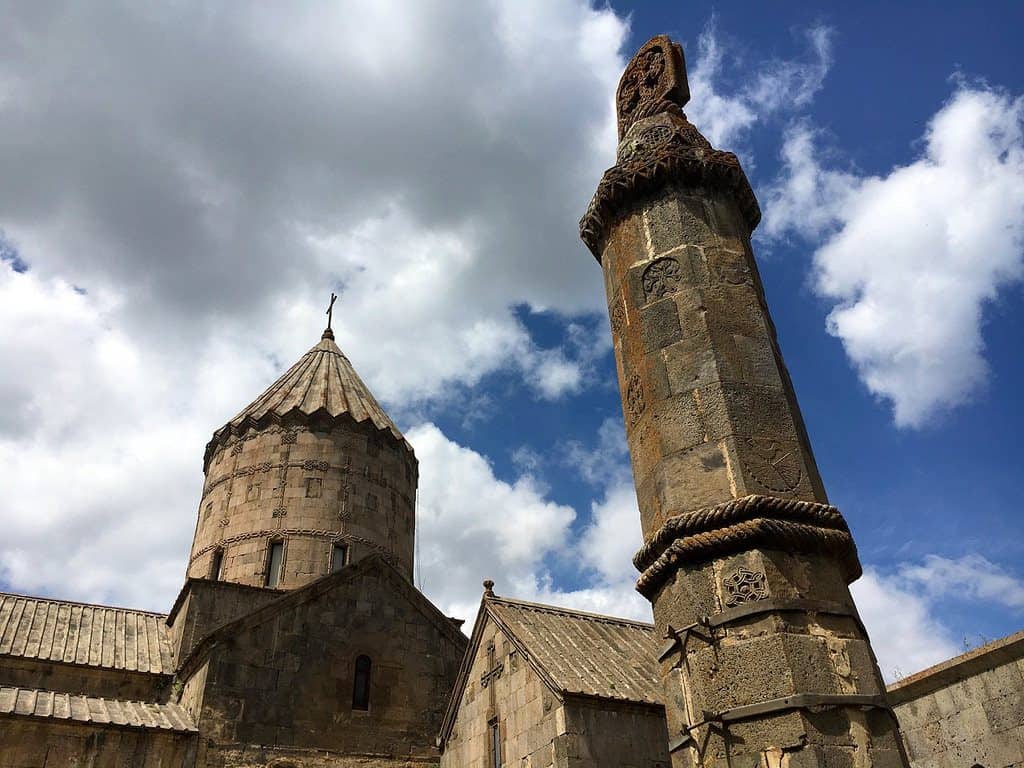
(649, 165)
(291, 423)
(742, 524)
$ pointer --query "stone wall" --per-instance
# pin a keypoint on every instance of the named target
(83, 680)
(204, 605)
(968, 711)
(538, 729)
(602, 734)
(530, 717)
(284, 675)
(45, 743)
(308, 488)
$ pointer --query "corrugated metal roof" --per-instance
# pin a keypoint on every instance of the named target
(322, 381)
(29, 702)
(584, 653)
(79, 633)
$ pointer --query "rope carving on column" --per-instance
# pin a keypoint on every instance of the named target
(741, 524)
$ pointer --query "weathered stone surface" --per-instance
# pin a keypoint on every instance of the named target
(49, 744)
(203, 605)
(596, 707)
(283, 675)
(265, 674)
(966, 711)
(711, 417)
(311, 463)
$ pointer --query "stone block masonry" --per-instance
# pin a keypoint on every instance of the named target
(968, 711)
(765, 660)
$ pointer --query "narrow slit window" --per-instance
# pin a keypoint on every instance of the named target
(495, 745)
(216, 564)
(361, 684)
(339, 556)
(275, 559)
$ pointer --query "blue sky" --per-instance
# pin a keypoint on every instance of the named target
(173, 227)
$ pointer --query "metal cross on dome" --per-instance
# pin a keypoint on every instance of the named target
(330, 309)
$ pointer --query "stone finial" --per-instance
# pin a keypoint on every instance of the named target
(654, 82)
(488, 588)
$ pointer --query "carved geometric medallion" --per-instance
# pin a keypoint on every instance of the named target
(656, 136)
(744, 586)
(661, 278)
(771, 466)
(654, 82)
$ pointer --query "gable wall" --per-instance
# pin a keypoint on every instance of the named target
(288, 681)
(530, 717)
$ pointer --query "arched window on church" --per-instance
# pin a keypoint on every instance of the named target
(216, 564)
(361, 684)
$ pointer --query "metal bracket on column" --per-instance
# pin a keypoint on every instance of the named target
(678, 638)
(805, 701)
(770, 605)
(684, 738)
(809, 701)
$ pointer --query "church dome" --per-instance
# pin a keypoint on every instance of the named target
(310, 476)
(322, 385)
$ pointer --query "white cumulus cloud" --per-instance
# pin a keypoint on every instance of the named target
(901, 607)
(910, 259)
(186, 184)
(723, 115)
(905, 634)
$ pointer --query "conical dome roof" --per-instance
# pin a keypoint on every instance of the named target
(322, 383)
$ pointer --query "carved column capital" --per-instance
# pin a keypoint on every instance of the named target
(655, 152)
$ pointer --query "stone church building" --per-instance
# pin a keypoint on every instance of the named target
(298, 639)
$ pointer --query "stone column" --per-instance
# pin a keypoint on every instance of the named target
(766, 662)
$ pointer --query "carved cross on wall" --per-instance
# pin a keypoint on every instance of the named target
(330, 309)
(495, 669)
